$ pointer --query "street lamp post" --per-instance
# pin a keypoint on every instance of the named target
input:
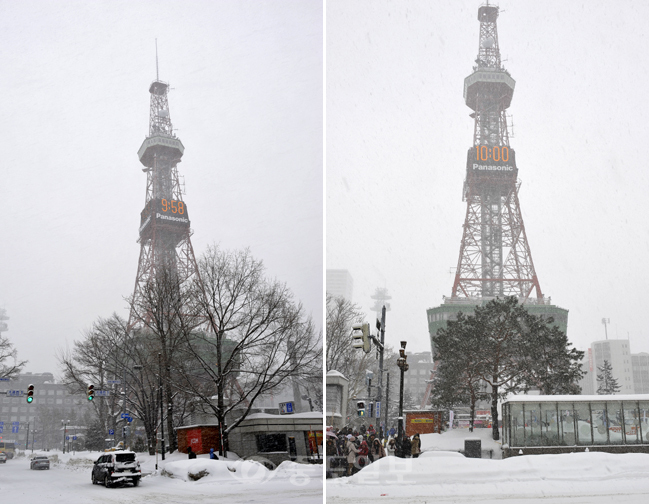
(65, 428)
(403, 367)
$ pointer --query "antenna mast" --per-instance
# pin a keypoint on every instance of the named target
(157, 59)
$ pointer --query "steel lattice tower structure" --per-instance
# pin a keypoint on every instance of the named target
(495, 258)
(164, 224)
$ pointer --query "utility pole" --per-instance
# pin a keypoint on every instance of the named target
(386, 405)
(162, 427)
(382, 329)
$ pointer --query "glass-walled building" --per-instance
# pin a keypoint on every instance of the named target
(559, 424)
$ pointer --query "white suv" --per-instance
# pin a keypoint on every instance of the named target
(115, 467)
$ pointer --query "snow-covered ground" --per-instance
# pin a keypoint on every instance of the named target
(232, 481)
(440, 476)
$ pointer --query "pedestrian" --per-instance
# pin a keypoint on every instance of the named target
(415, 446)
(213, 456)
(377, 450)
(405, 447)
(363, 454)
(190, 453)
(390, 447)
(351, 453)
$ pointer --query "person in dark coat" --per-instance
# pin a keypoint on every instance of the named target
(190, 453)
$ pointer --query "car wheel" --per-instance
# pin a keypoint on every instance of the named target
(136, 481)
(92, 478)
(107, 481)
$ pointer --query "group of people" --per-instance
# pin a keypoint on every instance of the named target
(361, 449)
(192, 455)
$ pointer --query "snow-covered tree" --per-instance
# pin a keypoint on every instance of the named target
(607, 384)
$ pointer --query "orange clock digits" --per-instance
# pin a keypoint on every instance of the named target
(483, 153)
(181, 208)
(164, 205)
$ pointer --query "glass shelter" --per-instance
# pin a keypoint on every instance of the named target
(565, 423)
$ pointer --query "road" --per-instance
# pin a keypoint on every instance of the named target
(70, 483)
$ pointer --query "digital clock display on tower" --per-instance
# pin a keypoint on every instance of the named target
(491, 159)
(164, 211)
(171, 211)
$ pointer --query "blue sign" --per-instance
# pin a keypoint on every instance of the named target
(74, 438)
(14, 429)
(15, 423)
(67, 438)
(103, 393)
(111, 432)
(15, 393)
(5, 379)
(377, 410)
(124, 415)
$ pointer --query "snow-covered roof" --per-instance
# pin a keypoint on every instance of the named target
(308, 414)
(576, 398)
(334, 372)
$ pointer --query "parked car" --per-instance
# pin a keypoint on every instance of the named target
(115, 467)
(3, 457)
(40, 463)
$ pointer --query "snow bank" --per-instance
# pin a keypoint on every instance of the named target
(442, 472)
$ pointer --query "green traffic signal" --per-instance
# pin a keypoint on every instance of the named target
(30, 394)
(90, 392)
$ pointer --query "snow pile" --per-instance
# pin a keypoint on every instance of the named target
(450, 475)
(454, 440)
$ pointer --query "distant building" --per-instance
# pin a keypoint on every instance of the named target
(52, 403)
(617, 353)
(3, 324)
(415, 379)
(339, 283)
(640, 372)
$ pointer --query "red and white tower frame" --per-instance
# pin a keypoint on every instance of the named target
(495, 258)
(164, 223)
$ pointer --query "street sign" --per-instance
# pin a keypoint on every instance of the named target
(286, 408)
(124, 415)
(15, 393)
(377, 410)
(103, 393)
(5, 379)
(111, 432)
(67, 438)
(74, 438)
(15, 423)
(113, 381)
(14, 429)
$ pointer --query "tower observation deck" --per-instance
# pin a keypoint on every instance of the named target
(495, 258)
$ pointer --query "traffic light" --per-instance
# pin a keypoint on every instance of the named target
(361, 336)
(30, 393)
(90, 392)
(361, 409)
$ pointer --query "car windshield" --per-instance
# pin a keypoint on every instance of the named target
(125, 457)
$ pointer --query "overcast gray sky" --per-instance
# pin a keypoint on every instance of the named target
(247, 102)
(398, 133)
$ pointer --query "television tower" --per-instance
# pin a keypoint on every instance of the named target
(164, 223)
(495, 258)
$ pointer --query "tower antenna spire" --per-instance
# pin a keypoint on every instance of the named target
(157, 59)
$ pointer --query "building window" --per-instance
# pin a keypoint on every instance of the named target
(267, 443)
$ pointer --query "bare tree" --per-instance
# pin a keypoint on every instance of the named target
(339, 353)
(257, 337)
(10, 366)
(163, 315)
